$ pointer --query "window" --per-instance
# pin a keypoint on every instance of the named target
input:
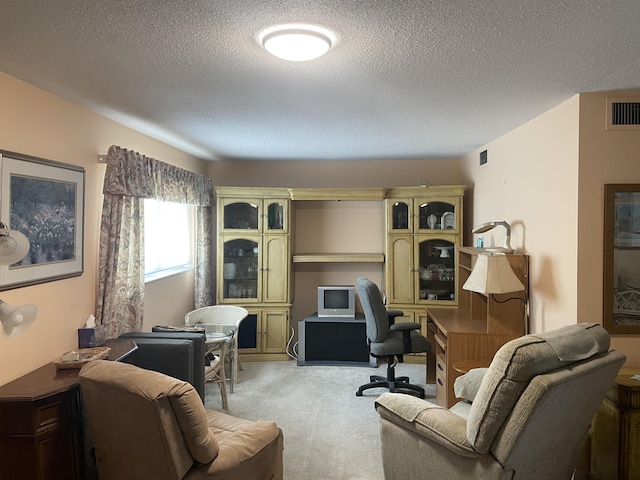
(168, 238)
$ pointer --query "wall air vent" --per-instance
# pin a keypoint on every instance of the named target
(623, 113)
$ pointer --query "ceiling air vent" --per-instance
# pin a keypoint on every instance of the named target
(623, 113)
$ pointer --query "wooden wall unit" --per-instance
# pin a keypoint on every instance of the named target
(254, 265)
(423, 232)
(256, 248)
(478, 327)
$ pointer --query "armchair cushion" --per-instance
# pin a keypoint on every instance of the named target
(466, 386)
(426, 420)
(192, 419)
(511, 370)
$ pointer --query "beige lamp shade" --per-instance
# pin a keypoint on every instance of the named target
(493, 274)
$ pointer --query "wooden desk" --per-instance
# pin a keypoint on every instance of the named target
(615, 431)
(458, 339)
(41, 427)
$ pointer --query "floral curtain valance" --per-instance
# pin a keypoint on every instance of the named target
(129, 179)
(131, 174)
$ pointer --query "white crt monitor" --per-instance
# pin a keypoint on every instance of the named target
(336, 301)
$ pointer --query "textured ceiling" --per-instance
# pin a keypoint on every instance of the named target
(405, 79)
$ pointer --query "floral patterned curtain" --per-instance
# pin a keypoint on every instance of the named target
(129, 179)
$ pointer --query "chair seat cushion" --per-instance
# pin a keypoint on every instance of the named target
(239, 440)
(394, 345)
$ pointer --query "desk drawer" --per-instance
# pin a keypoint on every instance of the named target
(441, 366)
(441, 389)
(31, 418)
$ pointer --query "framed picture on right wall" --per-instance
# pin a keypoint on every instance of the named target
(621, 282)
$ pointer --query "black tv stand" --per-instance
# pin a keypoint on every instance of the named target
(333, 341)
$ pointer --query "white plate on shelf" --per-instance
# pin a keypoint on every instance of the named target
(448, 221)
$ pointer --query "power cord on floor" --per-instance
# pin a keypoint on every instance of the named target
(294, 348)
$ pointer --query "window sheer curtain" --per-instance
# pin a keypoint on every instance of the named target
(130, 178)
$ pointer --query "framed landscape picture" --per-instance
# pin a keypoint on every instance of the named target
(44, 200)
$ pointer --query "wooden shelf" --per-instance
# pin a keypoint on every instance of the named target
(338, 258)
(337, 193)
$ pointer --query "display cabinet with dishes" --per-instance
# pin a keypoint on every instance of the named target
(254, 264)
(424, 229)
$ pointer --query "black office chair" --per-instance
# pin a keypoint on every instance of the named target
(388, 340)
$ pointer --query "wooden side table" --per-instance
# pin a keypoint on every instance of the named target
(615, 435)
(41, 423)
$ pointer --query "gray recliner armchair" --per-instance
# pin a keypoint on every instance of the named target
(528, 420)
(388, 339)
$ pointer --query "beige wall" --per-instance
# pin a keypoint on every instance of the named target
(530, 180)
(361, 173)
(36, 123)
(546, 178)
(606, 156)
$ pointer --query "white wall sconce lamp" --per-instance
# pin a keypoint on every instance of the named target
(15, 320)
(14, 245)
(485, 227)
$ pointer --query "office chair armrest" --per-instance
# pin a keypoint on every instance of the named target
(392, 314)
(405, 326)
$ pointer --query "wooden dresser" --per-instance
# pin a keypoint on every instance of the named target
(615, 431)
(477, 328)
(41, 427)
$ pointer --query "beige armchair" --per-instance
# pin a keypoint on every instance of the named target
(529, 418)
(145, 424)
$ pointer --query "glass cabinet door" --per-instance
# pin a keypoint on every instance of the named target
(241, 269)
(436, 216)
(401, 215)
(276, 216)
(436, 270)
(240, 215)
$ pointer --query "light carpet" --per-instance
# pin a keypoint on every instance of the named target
(329, 432)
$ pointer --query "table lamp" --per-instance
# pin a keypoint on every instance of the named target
(485, 227)
(492, 274)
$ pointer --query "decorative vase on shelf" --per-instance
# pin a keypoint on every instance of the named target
(431, 221)
(229, 271)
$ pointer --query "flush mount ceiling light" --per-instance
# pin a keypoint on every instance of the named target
(297, 43)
